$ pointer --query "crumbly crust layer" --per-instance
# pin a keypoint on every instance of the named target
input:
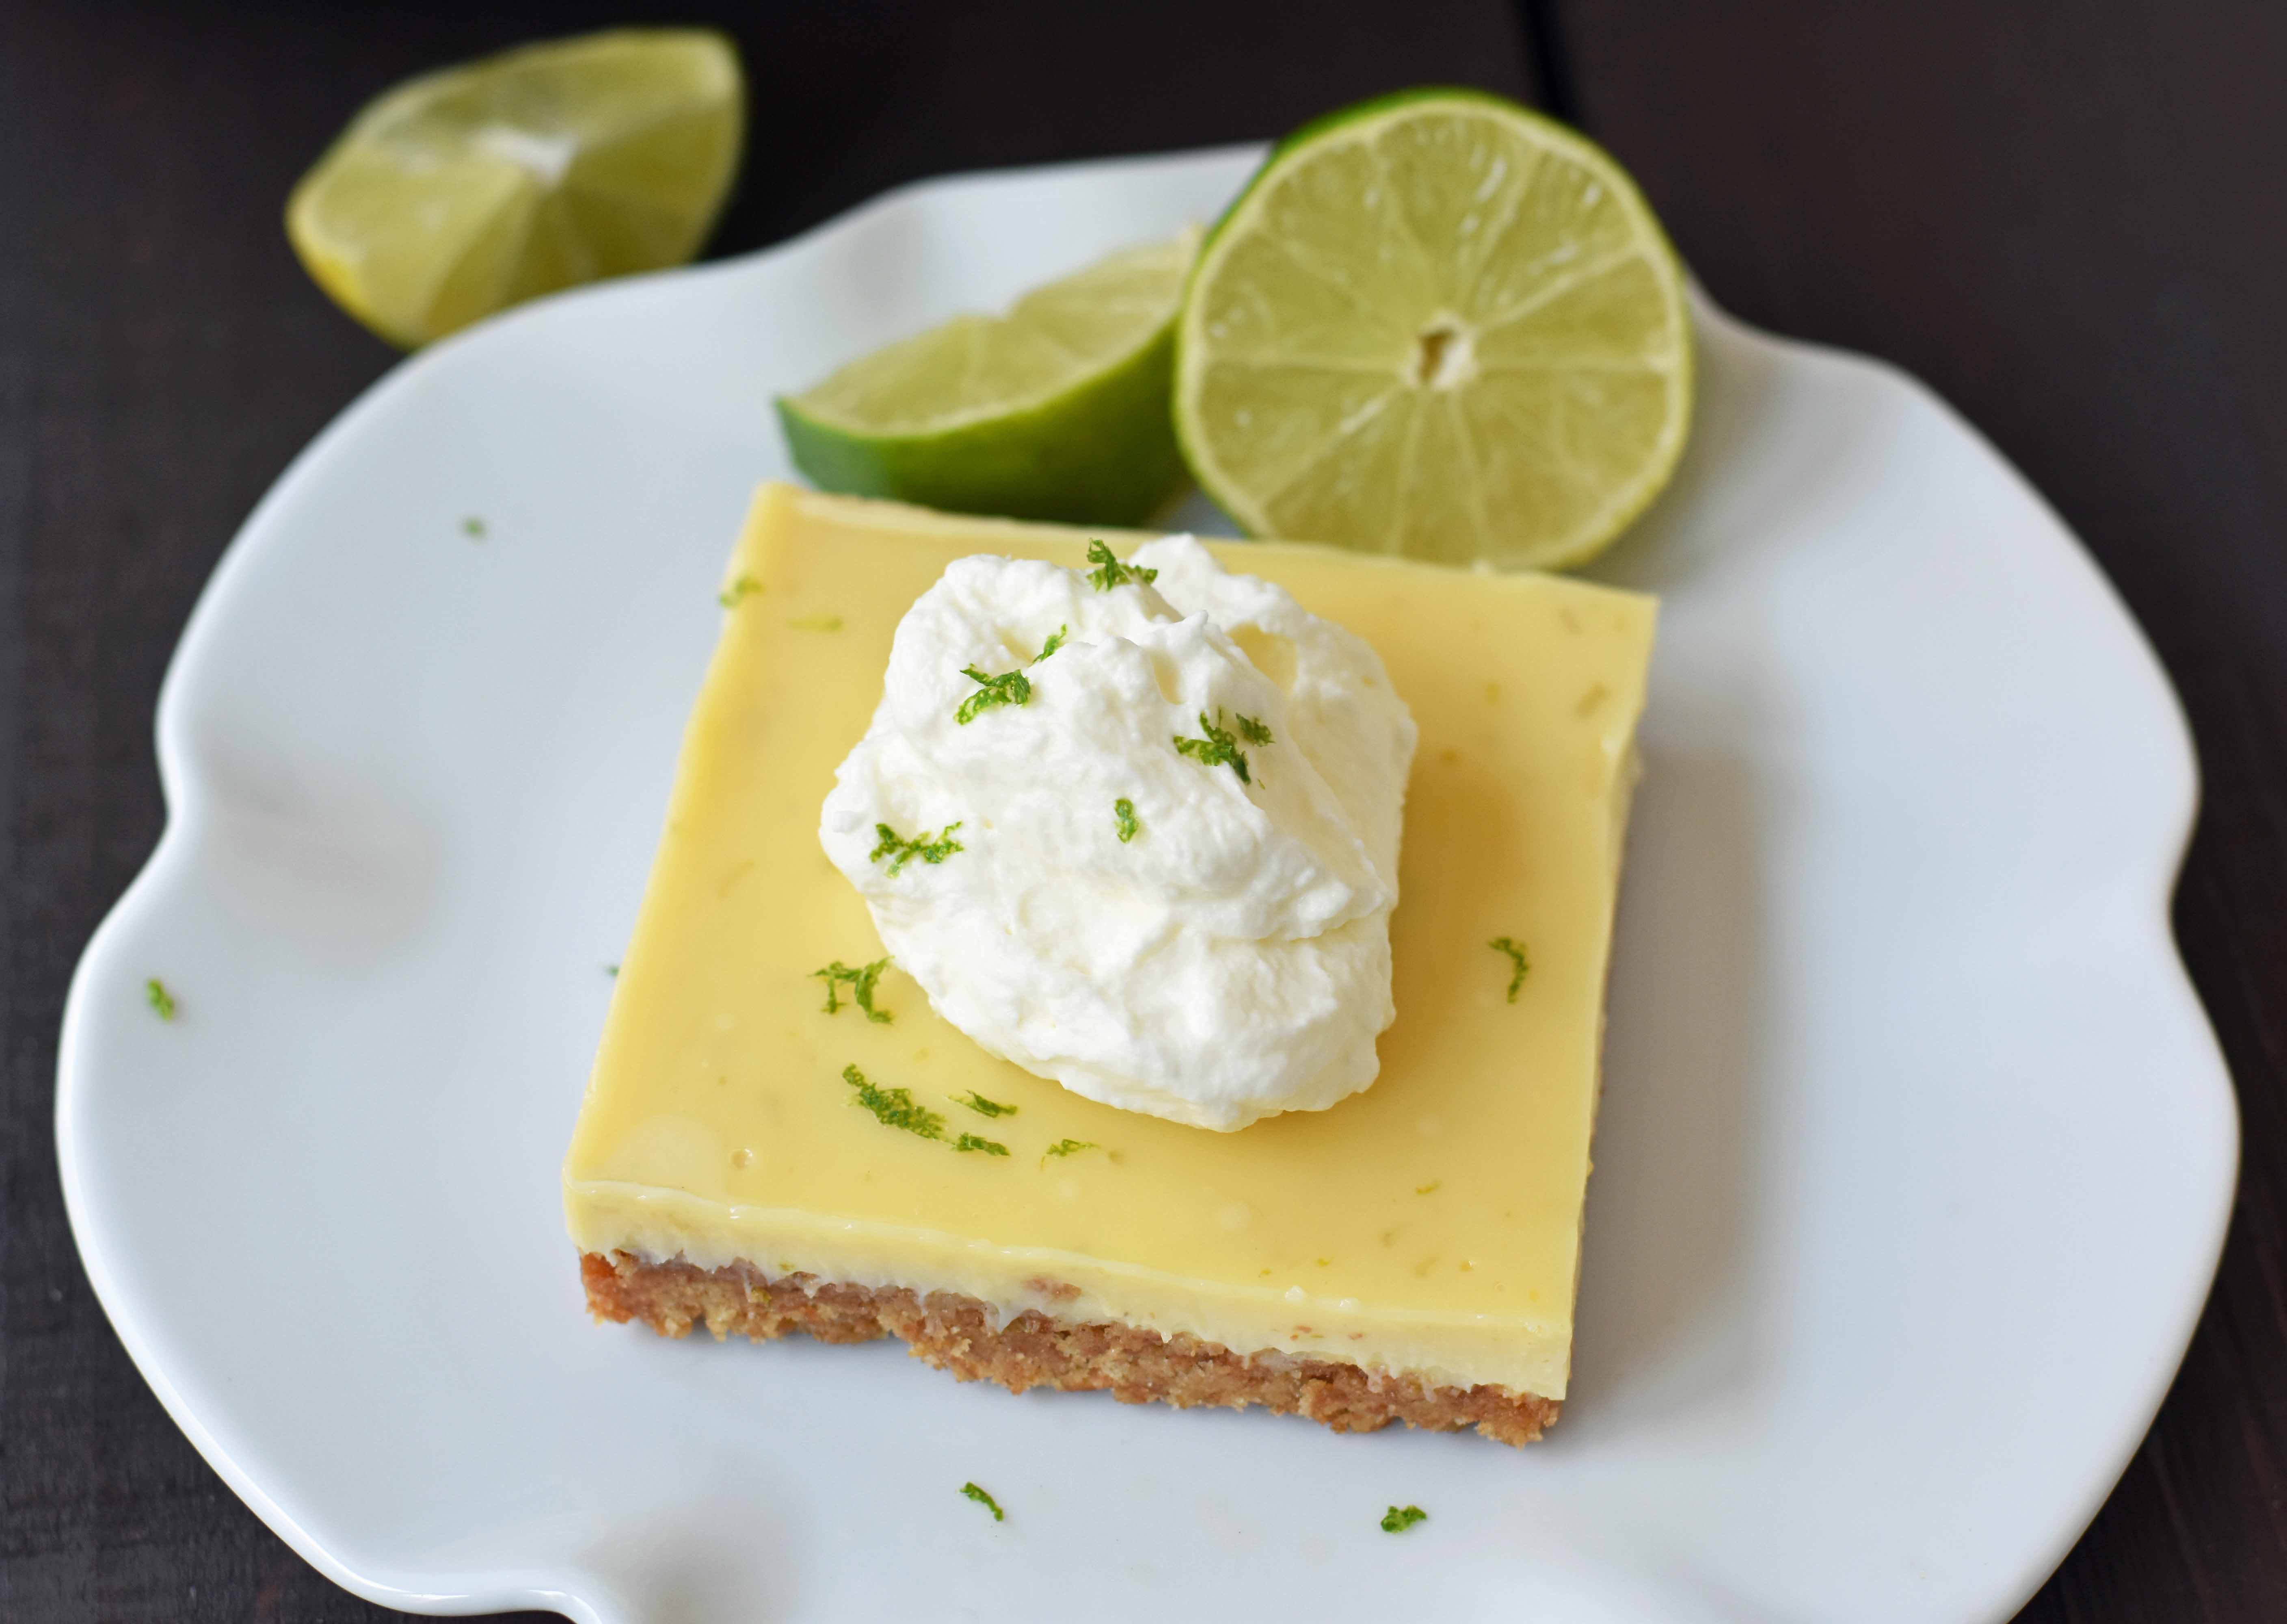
(957, 1333)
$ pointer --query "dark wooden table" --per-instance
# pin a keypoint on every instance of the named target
(2070, 219)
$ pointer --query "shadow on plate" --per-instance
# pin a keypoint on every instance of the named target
(1666, 1310)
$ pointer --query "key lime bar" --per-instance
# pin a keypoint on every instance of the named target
(759, 1151)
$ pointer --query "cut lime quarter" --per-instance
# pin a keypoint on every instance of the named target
(1440, 325)
(1058, 410)
(465, 190)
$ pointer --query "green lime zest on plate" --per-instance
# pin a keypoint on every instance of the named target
(1397, 1519)
(1123, 814)
(162, 1001)
(970, 1491)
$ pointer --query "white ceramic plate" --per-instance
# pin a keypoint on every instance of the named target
(1916, 1149)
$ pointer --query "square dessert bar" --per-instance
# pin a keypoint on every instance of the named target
(1411, 1254)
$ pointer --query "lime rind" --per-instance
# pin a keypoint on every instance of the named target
(1361, 473)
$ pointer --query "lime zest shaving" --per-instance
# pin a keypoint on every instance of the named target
(930, 848)
(1111, 572)
(983, 1107)
(1397, 1519)
(971, 1491)
(162, 1001)
(1009, 688)
(894, 1107)
(1123, 812)
(1219, 748)
(1517, 960)
(861, 983)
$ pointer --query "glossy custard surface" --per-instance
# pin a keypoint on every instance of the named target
(1431, 1224)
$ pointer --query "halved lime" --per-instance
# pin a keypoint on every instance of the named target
(1440, 325)
(465, 190)
(1058, 410)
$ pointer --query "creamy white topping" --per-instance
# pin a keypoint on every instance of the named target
(1231, 958)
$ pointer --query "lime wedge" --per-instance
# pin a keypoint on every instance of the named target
(1058, 410)
(1440, 324)
(465, 190)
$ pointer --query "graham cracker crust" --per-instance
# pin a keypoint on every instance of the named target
(956, 1333)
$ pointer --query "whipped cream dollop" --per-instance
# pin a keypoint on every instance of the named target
(1200, 930)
